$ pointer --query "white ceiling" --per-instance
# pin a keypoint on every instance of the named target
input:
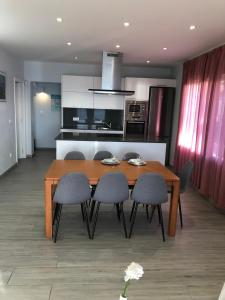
(28, 29)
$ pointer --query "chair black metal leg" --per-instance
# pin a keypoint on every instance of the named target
(92, 210)
(82, 211)
(180, 213)
(55, 213)
(132, 211)
(93, 190)
(152, 213)
(159, 215)
(118, 211)
(95, 220)
(86, 217)
(161, 221)
(147, 213)
(57, 222)
(123, 219)
(133, 218)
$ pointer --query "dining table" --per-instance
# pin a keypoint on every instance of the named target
(94, 169)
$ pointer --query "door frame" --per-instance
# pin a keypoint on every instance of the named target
(23, 115)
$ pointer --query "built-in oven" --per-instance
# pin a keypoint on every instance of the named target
(135, 128)
(136, 117)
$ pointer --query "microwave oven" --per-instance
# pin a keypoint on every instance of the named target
(136, 110)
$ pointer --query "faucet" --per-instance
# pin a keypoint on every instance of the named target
(109, 125)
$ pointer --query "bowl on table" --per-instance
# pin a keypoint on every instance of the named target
(136, 162)
(110, 161)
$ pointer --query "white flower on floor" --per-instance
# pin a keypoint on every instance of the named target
(133, 271)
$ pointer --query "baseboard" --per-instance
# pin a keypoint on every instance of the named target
(7, 171)
(50, 149)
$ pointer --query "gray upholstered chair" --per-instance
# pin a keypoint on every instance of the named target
(112, 188)
(130, 155)
(100, 155)
(150, 189)
(73, 188)
(185, 175)
(74, 155)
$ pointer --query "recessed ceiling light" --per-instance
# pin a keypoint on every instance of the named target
(164, 48)
(126, 24)
(75, 57)
(117, 46)
(147, 61)
(59, 20)
(192, 27)
(69, 43)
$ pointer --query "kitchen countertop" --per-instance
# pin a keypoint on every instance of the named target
(93, 127)
(76, 136)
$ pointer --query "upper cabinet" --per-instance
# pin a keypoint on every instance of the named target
(141, 86)
(108, 101)
(75, 91)
(77, 99)
(97, 82)
(75, 94)
(77, 83)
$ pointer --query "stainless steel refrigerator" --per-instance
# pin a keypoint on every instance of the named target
(160, 115)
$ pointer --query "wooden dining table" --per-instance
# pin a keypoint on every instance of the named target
(94, 169)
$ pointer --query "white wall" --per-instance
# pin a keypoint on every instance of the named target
(13, 68)
(51, 72)
(176, 111)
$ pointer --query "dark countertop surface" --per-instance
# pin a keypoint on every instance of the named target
(93, 127)
(81, 136)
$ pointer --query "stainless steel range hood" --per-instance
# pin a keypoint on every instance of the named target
(111, 75)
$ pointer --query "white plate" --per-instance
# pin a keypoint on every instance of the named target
(110, 161)
(136, 162)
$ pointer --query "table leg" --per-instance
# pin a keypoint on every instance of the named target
(48, 209)
(173, 209)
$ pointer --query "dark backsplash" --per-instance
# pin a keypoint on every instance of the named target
(92, 116)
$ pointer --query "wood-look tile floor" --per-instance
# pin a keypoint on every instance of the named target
(191, 266)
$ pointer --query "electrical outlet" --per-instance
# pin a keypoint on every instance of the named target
(76, 118)
(10, 155)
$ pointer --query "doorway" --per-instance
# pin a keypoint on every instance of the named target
(20, 118)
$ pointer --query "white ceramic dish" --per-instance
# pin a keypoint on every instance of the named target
(136, 162)
(110, 161)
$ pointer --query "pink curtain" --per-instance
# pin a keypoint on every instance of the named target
(201, 131)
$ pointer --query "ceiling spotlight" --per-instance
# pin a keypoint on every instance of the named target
(69, 43)
(147, 61)
(192, 27)
(164, 48)
(59, 20)
(126, 24)
(117, 46)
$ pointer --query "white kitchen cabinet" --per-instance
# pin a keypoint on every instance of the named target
(141, 86)
(77, 99)
(108, 101)
(77, 83)
(97, 82)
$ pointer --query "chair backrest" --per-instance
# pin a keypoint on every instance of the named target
(102, 155)
(72, 188)
(185, 175)
(112, 188)
(130, 155)
(74, 155)
(150, 188)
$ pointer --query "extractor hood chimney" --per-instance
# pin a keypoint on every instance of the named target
(111, 75)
